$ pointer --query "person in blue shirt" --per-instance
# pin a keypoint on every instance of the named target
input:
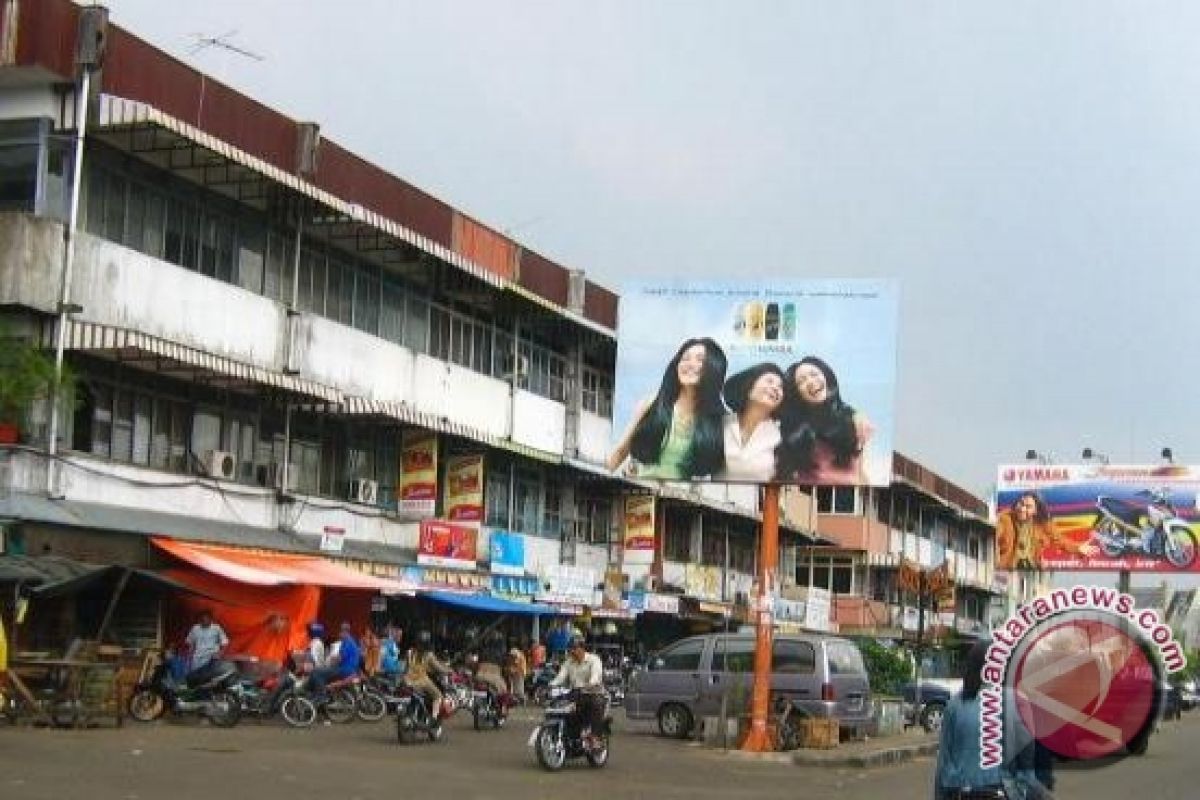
(391, 665)
(349, 657)
(959, 773)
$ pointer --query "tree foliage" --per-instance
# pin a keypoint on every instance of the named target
(887, 668)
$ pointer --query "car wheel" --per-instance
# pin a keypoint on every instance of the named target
(674, 721)
(931, 717)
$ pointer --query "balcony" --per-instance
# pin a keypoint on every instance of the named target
(96, 493)
(854, 612)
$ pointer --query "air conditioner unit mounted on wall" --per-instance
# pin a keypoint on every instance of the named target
(364, 491)
(220, 465)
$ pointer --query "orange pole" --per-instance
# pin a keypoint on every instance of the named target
(758, 740)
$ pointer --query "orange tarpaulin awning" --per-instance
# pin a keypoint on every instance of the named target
(274, 569)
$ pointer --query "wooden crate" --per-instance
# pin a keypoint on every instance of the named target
(819, 734)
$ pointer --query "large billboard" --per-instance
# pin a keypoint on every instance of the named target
(1141, 518)
(756, 382)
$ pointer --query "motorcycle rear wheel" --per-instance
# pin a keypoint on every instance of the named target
(437, 731)
(147, 705)
(477, 718)
(225, 709)
(371, 706)
(298, 711)
(551, 750)
(341, 707)
(1180, 548)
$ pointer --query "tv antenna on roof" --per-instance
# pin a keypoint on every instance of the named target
(204, 42)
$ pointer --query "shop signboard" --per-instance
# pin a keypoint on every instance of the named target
(809, 350)
(639, 529)
(417, 492)
(1098, 517)
(567, 585)
(614, 585)
(445, 544)
(817, 609)
(702, 582)
(508, 553)
(464, 489)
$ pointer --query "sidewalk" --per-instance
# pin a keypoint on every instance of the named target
(856, 755)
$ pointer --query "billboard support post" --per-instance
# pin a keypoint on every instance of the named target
(1123, 581)
(758, 740)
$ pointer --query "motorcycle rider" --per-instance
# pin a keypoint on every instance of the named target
(583, 672)
(421, 664)
(487, 670)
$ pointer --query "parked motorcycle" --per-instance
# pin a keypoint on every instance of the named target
(208, 691)
(554, 743)
(414, 716)
(336, 701)
(490, 709)
(1119, 531)
(277, 694)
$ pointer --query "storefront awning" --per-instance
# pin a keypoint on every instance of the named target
(483, 602)
(275, 569)
(169, 357)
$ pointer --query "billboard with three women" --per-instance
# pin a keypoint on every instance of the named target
(1136, 517)
(756, 382)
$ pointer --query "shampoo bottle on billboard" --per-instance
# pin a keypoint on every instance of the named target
(788, 324)
(772, 321)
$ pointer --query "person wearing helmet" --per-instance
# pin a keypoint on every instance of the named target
(583, 672)
(421, 664)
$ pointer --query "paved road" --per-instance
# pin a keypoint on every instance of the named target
(182, 760)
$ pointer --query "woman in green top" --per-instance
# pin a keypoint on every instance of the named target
(678, 435)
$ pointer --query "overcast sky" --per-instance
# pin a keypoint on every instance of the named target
(1028, 171)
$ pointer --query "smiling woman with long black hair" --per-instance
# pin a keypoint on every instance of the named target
(823, 437)
(677, 435)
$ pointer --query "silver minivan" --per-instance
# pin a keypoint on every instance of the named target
(686, 681)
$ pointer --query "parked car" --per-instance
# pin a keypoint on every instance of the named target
(935, 696)
(820, 675)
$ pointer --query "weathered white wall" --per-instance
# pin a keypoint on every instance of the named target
(538, 421)
(593, 557)
(24, 102)
(595, 434)
(91, 480)
(121, 287)
(357, 363)
(461, 395)
(743, 496)
(313, 520)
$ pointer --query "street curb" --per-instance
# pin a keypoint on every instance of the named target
(878, 758)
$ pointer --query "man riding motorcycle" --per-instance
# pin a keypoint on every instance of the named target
(487, 666)
(583, 672)
(421, 663)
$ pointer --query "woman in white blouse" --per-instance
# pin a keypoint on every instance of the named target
(754, 396)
